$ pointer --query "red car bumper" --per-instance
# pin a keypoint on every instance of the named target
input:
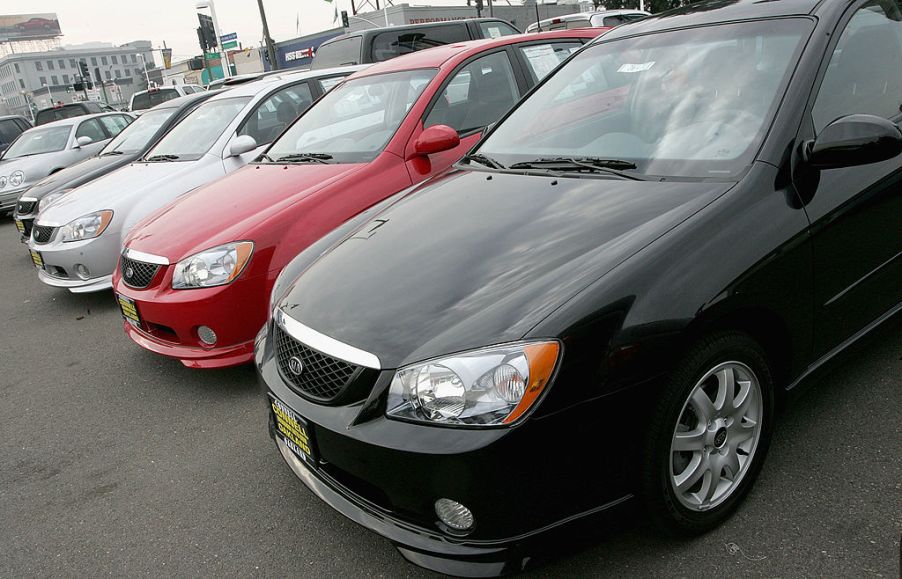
(170, 319)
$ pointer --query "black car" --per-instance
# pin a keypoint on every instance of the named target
(611, 295)
(380, 44)
(130, 144)
(11, 126)
(67, 111)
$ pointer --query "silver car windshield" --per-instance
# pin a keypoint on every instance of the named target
(690, 103)
(353, 122)
(137, 135)
(37, 141)
(195, 134)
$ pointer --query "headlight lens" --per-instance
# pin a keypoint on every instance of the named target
(87, 226)
(488, 387)
(50, 199)
(17, 178)
(2, 181)
(216, 266)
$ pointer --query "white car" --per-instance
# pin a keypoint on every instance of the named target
(147, 99)
(76, 240)
(50, 147)
(606, 18)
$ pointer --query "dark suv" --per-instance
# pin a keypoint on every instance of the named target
(379, 44)
(60, 112)
(11, 126)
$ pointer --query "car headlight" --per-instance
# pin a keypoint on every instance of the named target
(86, 227)
(50, 199)
(17, 178)
(215, 266)
(488, 387)
(2, 181)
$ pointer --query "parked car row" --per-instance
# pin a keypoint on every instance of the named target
(440, 280)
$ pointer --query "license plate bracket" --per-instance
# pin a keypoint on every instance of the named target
(37, 259)
(20, 226)
(293, 431)
(129, 309)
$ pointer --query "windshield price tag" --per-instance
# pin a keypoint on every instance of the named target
(627, 67)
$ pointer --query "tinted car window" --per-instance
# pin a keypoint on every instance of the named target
(277, 112)
(543, 58)
(151, 99)
(329, 83)
(338, 52)
(388, 45)
(114, 124)
(91, 129)
(863, 75)
(581, 23)
(9, 130)
(497, 29)
(477, 96)
(57, 114)
(39, 141)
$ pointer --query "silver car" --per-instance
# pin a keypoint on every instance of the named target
(76, 240)
(48, 148)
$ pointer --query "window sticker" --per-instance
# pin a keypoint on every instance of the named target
(641, 67)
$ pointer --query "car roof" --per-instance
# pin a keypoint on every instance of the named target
(181, 101)
(76, 120)
(268, 82)
(713, 12)
(451, 54)
(381, 29)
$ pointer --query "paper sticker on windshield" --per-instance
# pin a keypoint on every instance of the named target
(635, 67)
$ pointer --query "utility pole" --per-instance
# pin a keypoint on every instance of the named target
(270, 49)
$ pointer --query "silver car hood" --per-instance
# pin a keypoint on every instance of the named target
(133, 191)
(35, 167)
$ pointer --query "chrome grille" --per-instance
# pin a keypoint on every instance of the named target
(323, 377)
(137, 274)
(26, 207)
(42, 233)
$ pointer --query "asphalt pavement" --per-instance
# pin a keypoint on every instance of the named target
(114, 461)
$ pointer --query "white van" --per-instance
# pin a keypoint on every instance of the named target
(606, 18)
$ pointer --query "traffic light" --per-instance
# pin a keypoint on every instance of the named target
(201, 39)
(83, 69)
(207, 31)
(479, 7)
(344, 18)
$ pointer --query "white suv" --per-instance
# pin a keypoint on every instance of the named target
(145, 99)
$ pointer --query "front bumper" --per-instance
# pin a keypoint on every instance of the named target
(170, 319)
(8, 199)
(521, 483)
(60, 259)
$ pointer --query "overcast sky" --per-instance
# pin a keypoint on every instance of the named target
(175, 21)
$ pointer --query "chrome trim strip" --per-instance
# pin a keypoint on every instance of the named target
(28, 199)
(145, 257)
(48, 224)
(323, 343)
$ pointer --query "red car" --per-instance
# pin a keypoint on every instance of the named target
(194, 279)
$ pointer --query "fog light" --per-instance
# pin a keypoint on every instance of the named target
(453, 514)
(82, 271)
(206, 335)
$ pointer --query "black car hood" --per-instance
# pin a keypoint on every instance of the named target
(476, 258)
(79, 174)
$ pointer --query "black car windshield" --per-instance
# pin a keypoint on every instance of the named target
(137, 135)
(353, 122)
(37, 141)
(195, 134)
(690, 103)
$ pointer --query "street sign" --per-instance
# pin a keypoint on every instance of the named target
(229, 37)
(229, 45)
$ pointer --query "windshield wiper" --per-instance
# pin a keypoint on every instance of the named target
(264, 157)
(156, 158)
(484, 160)
(589, 164)
(304, 158)
(110, 153)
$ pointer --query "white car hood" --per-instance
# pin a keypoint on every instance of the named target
(35, 167)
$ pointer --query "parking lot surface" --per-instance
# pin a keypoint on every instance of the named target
(114, 461)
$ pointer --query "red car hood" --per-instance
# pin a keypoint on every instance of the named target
(231, 208)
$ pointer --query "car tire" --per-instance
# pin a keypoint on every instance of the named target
(701, 458)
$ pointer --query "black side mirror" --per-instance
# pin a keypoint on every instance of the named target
(853, 140)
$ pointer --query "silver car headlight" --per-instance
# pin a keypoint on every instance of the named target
(212, 267)
(2, 181)
(46, 201)
(16, 179)
(86, 227)
(493, 386)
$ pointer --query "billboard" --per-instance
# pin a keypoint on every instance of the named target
(28, 26)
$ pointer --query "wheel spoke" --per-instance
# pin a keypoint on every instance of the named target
(741, 403)
(715, 464)
(697, 467)
(731, 464)
(742, 432)
(693, 440)
(726, 385)
(702, 405)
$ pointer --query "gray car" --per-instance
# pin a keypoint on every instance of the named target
(77, 239)
(46, 149)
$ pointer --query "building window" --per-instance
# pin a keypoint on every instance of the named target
(21, 83)
(108, 75)
(134, 58)
(114, 59)
(138, 71)
(54, 80)
(72, 63)
(93, 61)
(103, 60)
(38, 65)
(65, 79)
(43, 80)
(118, 73)
(17, 66)
(128, 72)
(61, 63)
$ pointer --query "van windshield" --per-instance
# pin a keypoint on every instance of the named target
(688, 103)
